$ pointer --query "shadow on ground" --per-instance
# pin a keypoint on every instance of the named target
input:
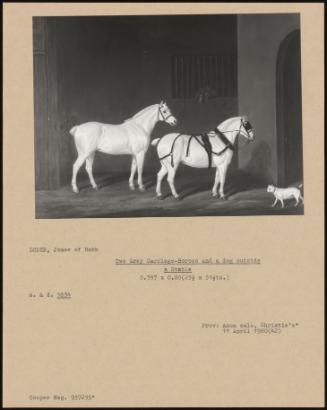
(245, 196)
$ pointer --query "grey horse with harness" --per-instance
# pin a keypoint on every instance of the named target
(212, 149)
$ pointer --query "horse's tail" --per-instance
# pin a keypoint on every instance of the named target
(73, 130)
(155, 141)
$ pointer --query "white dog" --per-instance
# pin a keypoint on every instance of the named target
(286, 193)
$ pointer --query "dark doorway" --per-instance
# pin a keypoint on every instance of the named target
(289, 111)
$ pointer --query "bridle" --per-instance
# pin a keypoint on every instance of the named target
(165, 118)
(246, 125)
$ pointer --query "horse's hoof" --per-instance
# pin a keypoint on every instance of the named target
(215, 195)
(75, 190)
(178, 198)
(132, 187)
(160, 197)
(96, 188)
(142, 188)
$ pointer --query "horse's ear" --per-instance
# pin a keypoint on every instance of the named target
(161, 102)
(245, 118)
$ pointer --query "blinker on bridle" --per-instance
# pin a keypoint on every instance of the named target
(247, 126)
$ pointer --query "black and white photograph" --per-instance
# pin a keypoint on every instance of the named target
(167, 115)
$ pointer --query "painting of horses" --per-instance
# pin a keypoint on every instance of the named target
(167, 115)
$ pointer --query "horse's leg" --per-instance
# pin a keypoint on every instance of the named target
(88, 167)
(133, 170)
(140, 162)
(171, 177)
(215, 186)
(77, 165)
(161, 174)
(222, 172)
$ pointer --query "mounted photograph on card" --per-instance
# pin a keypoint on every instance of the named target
(167, 115)
(163, 205)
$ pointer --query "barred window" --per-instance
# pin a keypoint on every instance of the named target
(204, 76)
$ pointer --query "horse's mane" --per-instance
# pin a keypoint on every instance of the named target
(228, 121)
(140, 113)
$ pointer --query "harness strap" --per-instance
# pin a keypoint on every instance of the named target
(188, 145)
(224, 140)
(206, 144)
(228, 146)
(223, 150)
(170, 154)
(208, 147)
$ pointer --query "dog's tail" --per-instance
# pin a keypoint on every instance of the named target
(300, 186)
(155, 141)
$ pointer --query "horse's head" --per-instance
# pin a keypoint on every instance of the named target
(246, 128)
(165, 114)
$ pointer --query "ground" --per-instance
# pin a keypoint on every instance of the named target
(114, 198)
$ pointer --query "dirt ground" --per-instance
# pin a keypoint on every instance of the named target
(114, 198)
